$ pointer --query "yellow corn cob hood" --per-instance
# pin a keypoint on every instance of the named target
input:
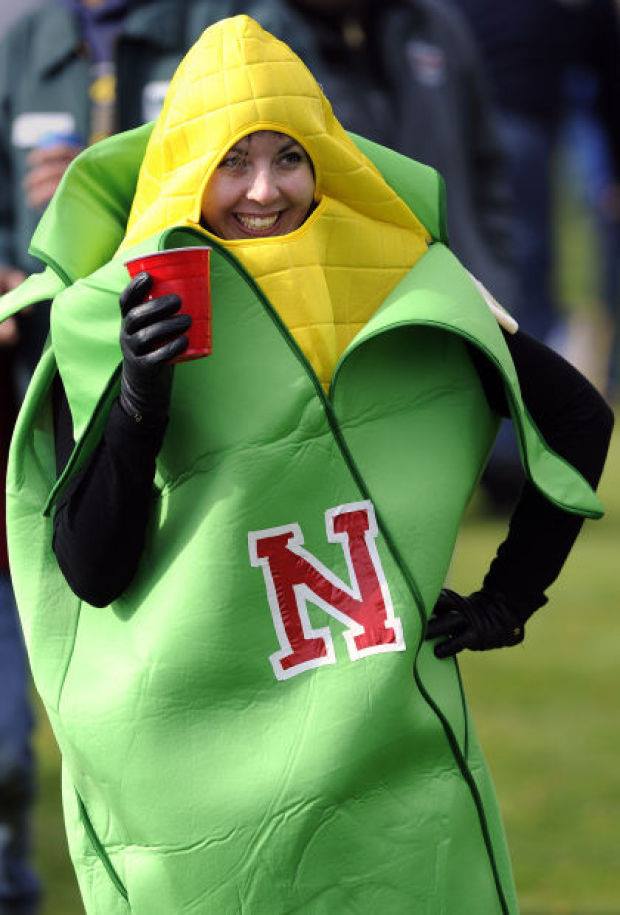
(328, 277)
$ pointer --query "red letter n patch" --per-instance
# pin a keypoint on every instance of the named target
(294, 578)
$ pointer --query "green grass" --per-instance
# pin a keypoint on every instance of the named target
(547, 716)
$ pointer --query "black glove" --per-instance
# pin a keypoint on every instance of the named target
(478, 622)
(151, 334)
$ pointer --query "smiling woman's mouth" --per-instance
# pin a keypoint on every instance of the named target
(257, 223)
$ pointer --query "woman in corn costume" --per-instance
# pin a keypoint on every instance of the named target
(256, 724)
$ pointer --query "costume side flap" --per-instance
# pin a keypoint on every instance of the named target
(438, 292)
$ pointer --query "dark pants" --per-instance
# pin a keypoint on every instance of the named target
(19, 888)
(529, 148)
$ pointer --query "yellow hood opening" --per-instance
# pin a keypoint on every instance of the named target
(328, 277)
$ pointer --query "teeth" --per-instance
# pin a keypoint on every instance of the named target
(257, 222)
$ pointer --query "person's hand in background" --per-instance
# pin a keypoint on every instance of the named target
(46, 166)
(10, 277)
(9, 333)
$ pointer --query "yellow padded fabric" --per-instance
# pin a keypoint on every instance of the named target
(327, 278)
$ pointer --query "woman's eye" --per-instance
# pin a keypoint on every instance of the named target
(232, 162)
(292, 158)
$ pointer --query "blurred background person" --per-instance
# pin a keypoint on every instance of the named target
(590, 173)
(94, 67)
(524, 44)
(19, 887)
(529, 47)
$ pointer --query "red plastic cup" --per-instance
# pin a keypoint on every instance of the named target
(184, 272)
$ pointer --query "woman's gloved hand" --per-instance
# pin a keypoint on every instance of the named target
(152, 333)
(478, 622)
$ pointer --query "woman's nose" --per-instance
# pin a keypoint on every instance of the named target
(263, 189)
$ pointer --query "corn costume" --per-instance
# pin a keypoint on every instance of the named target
(256, 724)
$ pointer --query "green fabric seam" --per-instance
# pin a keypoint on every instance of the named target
(50, 262)
(469, 780)
(442, 203)
(464, 707)
(100, 850)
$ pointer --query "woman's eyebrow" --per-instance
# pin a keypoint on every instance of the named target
(288, 144)
(241, 147)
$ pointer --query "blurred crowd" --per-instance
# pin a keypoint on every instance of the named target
(490, 94)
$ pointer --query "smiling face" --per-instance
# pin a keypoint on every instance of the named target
(263, 186)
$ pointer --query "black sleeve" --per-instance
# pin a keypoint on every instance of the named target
(576, 423)
(101, 520)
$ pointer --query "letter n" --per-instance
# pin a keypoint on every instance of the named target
(294, 578)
